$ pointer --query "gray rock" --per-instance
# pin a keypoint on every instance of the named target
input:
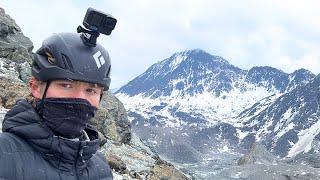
(13, 44)
(258, 154)
(10, 91)
(113, 120)
(140, 161)
(20, 72)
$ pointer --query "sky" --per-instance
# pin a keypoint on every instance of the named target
(284, 34)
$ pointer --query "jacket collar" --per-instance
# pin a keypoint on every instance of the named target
(64, 154)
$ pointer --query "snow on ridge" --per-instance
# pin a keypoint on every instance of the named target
(285, 129)
(241, 134)
(223, 149)
(306, 137)
(213, 109)
(285, 124)
(177, 60)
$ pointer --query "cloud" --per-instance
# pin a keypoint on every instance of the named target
(310, 62)
(246, 33)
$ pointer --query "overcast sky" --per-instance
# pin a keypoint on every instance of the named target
(280, 33)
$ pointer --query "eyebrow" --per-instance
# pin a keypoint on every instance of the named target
(92, 85)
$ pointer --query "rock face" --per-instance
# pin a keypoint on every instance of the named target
(289, 124)
(112, 119)
(126, 154)
(258, 155)
(14, 46)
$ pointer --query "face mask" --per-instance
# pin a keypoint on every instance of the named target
(66, 117)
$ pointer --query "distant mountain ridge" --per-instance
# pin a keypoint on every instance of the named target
(187, 68)
(192, 72)
(293, 119)
(193, 105)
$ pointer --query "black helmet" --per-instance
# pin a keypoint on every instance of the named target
(65, 56)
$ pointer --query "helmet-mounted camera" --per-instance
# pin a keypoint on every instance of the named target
(95, 22)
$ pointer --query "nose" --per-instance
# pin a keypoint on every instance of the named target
(80, 93)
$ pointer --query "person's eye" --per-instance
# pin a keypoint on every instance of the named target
(92, 91)
(66, 85)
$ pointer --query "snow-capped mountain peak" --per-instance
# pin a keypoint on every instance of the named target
(194, 103)
(189, 72)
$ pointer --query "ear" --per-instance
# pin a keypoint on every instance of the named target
(35, 87)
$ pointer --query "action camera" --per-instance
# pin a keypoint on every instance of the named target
(95, 22)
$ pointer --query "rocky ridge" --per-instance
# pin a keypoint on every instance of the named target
(126, 154)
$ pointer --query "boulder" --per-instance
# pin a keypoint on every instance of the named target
(112, 119)
(258, 154)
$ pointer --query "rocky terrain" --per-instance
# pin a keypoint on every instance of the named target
(260, 164)
(126, 154)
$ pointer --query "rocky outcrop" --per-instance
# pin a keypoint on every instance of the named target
(258, 154)
(15, 47)
(137, 161)
(13, 44)
(112, 120)
(126, 154)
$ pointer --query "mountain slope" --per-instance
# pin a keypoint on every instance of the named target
(193, 106)
(185, 73)
(289, 123)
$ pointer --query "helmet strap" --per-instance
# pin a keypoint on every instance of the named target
(45, 90)
(101, 96)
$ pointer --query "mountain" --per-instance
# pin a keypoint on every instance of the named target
(185, 73)
(193, 105)
(288, 124)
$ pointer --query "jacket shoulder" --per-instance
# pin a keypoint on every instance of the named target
(12, 150)
(10, 143)
(101, 166)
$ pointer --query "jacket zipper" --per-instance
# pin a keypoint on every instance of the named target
(79, 157)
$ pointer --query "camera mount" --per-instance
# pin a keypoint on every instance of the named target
(95, 22)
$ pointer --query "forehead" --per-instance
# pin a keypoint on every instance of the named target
(78, 83)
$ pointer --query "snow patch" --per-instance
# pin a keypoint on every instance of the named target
(306, 137)
(176, 61)
(225, 148)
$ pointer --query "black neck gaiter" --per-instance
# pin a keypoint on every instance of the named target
(66, 117)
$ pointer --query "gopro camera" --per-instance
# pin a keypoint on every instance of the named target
(98, 21)
(95, 22)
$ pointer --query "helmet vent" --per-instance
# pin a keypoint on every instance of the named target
(67, 63)
(51, 60)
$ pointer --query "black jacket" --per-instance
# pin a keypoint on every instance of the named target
(30, 151)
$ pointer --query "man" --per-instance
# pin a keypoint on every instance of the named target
(48, 137)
